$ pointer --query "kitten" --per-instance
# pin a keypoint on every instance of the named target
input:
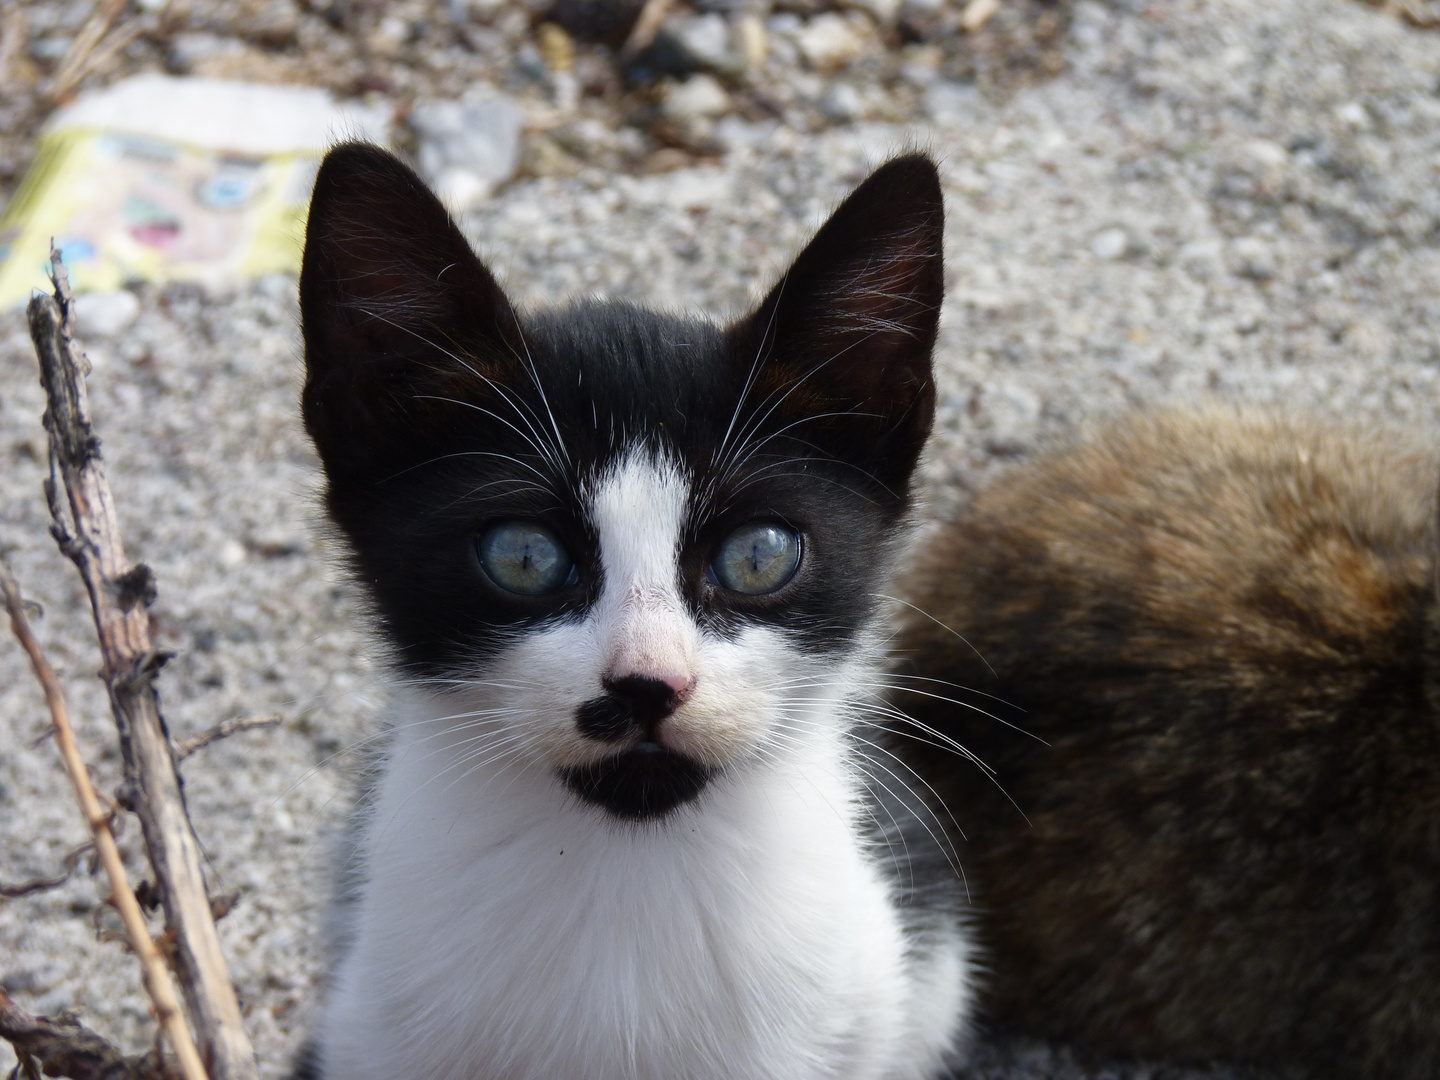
(629, 566)
(1222, 631)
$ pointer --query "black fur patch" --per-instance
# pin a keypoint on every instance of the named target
(645, 782)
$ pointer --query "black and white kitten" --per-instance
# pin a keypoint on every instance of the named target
(629, 565)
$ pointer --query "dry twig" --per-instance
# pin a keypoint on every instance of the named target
(12, 39)
(647, 25)
(72, 69)
(65, 1047)
(157, 978)
(85, 526)
(223, 730)
(71, 864)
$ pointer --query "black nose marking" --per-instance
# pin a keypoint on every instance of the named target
(650, 700)
(631, 704)
(604, 719)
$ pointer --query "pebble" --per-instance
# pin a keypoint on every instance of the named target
(468, 149)
(698, 97)
(706, 39)
(1110, 244)
(1354, 114)
(842, 103)
(231, 553)
(1254, 258)
(105, 314)
(829, 42)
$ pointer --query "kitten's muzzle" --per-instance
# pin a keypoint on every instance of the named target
(646, 779)
(632, 705)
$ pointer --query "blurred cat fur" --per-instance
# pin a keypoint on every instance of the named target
(1218, 631)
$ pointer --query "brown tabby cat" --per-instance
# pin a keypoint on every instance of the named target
(1222, 631)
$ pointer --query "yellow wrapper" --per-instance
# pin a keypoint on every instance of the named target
(126, 208)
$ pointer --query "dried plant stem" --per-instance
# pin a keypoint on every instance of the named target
(65, 1047)
(157, 978)
(72, 861)
(223, 730)
(73, 67)
(85, 525)
(642, 34)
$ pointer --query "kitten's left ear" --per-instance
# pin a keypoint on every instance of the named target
(850, 328)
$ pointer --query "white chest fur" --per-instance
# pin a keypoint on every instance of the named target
(509, 931)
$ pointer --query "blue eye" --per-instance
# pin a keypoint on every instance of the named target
(526, 558)
(757, 559)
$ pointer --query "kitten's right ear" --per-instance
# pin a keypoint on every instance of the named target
(394, 304)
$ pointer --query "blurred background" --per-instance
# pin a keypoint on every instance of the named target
(1148, 202)
(596, 89)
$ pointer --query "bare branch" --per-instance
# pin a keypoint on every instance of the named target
(157, 977)
(86, 528)
(71, 863)
(76, 62)
(65, 1047)
(223, 730)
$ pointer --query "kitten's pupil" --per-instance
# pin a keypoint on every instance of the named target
(525, 557)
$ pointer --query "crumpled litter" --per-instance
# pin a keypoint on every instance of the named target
(165, 179)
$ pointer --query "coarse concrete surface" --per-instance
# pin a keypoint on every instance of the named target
(1217, 199)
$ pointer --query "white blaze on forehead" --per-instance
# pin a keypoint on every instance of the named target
(638, 510)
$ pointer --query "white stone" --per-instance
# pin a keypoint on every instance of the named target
(829, 42)
(697, 98)
(1267, 152)
(480, 139)
(1353, 113)
(232, 553)
(706, 38)
(1110, 244)
(105, 314)
(842, 103)
(1254, 258)
(461, 189)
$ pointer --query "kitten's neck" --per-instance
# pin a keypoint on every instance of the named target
(748, 933)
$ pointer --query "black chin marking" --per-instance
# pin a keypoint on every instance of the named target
(645, 782)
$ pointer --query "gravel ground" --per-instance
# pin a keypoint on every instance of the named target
(1214, 199)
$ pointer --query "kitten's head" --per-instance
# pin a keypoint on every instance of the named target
(637, 543)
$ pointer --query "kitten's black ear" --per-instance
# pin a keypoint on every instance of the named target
(850, 328)
(395, 307)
